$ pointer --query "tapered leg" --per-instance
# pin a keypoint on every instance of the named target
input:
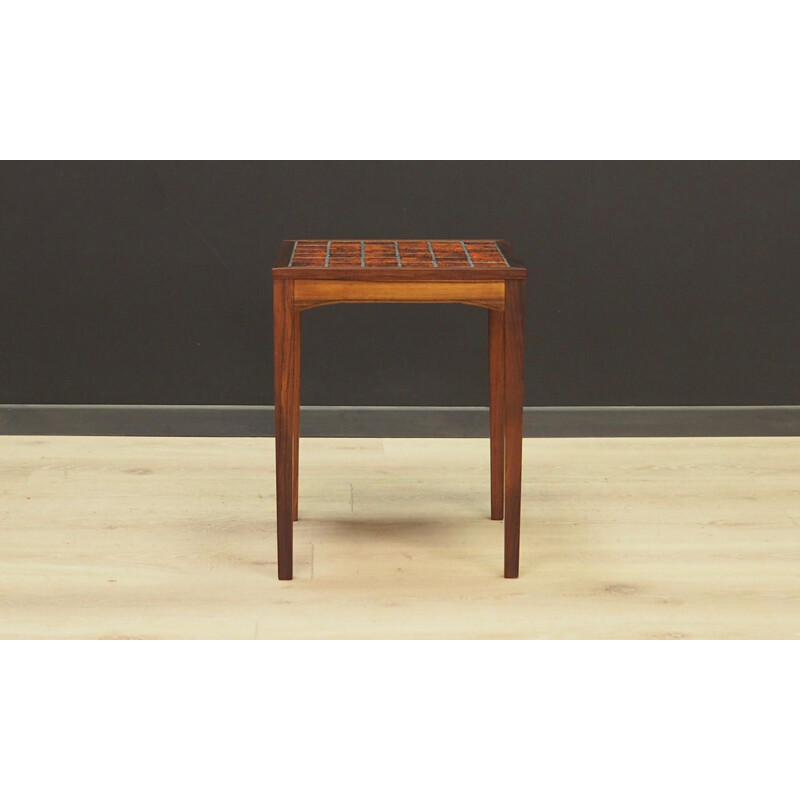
(296, 413)
(285, 392)
(513, 367)
(496, 410)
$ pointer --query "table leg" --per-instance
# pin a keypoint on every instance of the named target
(285, 393)
(296, 412)
(513, 368)
(496, 410)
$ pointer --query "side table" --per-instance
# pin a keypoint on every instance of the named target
(478, 272)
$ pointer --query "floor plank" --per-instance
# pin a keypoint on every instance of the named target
(125, 537)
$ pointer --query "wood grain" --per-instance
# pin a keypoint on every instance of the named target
(312, 292)
(295, 411)
(496, 412)
(513, 362)
(164, 538)
(286, 394)
(421, 273)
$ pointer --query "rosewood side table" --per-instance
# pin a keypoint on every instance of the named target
(486, 273)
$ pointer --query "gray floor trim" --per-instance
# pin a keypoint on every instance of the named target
(397, 421)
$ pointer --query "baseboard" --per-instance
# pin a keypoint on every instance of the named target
(397, 421)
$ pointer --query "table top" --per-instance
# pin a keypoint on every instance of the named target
(398, 259)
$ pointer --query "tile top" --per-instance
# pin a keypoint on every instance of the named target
(333, 255)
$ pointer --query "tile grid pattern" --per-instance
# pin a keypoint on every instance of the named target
(397, 254)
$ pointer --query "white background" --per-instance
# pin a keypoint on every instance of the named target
(432, 80)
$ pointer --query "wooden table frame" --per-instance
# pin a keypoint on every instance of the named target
(501, 291)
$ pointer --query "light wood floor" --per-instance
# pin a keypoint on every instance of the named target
(121, 537)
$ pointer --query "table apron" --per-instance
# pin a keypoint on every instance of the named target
(309, 293)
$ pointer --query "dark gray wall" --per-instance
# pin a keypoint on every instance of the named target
(649, 283)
